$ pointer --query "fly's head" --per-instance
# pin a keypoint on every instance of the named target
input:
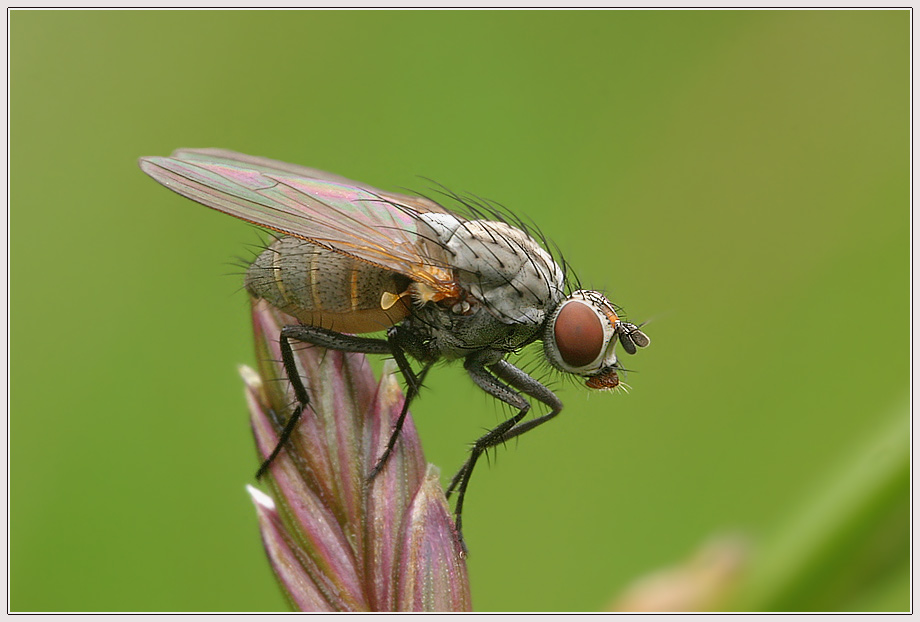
(581, 335)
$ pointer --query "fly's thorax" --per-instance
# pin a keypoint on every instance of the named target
(500, 266)
(581, 335)
(434, 331)
(321, 287)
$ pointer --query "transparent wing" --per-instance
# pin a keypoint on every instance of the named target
(331, 211)
(267, 165)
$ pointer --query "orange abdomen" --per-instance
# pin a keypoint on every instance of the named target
(324, 288)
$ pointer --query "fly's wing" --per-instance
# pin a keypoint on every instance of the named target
(325, 209)
(267, 165)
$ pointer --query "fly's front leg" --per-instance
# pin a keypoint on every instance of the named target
(324, 338)
(490, 380)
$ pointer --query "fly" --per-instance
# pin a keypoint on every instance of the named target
(353, 259)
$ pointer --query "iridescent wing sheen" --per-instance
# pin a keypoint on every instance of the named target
(267, 165)
(380, 227)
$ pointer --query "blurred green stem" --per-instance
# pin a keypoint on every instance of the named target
(849, 545)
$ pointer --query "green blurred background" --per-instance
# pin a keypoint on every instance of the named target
(741, 179)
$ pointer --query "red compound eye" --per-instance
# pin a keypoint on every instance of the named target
(579, 334)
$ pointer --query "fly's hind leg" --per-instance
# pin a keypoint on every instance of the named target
(322, 337)
(492, 380)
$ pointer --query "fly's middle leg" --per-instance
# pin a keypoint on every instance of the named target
(324, 338)
(493, 381)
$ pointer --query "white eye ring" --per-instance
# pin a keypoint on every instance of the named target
(577, 337)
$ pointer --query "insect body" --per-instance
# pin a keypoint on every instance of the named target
(321, 287)
(355, 259)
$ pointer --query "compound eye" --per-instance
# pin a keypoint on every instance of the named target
(579, 334)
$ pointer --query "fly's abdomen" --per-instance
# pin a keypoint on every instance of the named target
(324, 288)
